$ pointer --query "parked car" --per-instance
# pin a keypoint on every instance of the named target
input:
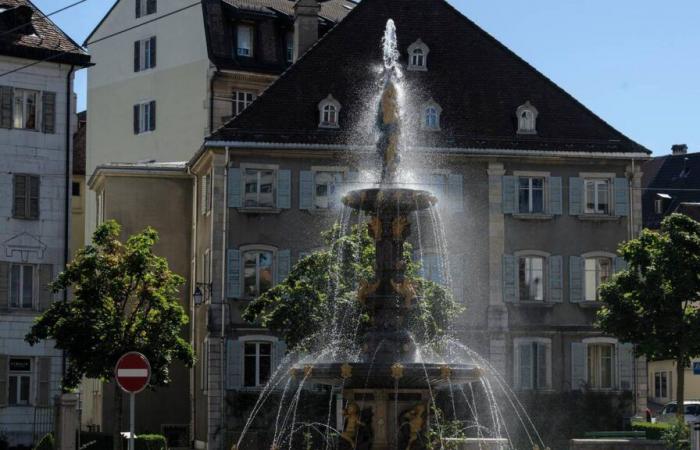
(692, 411)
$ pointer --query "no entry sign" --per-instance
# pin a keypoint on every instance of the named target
(133, 372)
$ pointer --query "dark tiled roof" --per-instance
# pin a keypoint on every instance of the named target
(40, 40)
(331, 10)
(477, 81)
(79, 145)
(679, 177)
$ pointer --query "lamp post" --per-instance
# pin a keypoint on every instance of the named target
(201, 293)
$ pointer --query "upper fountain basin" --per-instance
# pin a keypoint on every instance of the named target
(394, 200)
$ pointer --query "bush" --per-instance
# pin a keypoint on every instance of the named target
(46, 443)
(151, 442)
(95, 441)
(677, 436)
(654, 431)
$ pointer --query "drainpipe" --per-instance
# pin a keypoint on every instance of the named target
(193, 311)
(212, 78)
(224, 244)
(67, 203)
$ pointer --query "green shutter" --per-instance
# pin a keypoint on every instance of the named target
(509, 197)
(455, 192)
(44, 381)
(4, 285)
(306, 189)
(234, 364)
(555, 198)
(284, 261)
(509, 279)
(234, 188)
(556, 279)
(622, 200)
(233, 273)
(438, 186)
(3, 380)
(575, 279)
(48, 112)
(45, 294)
(578, 365)
(575, 196)
(6, 105)
(284, 189)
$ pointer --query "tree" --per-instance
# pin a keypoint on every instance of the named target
(319, 297)
(125, 299)
(652, 303)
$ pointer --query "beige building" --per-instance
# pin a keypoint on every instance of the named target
(663, 381)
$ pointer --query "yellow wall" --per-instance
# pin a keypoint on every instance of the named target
(692, 382)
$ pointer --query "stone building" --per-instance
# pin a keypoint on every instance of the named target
(37, 122)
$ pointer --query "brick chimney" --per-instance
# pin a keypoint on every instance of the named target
(305, 25)
(679, 149)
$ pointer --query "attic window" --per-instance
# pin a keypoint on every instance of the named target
(418, 56)
(527, 119)
(329, 112)
(431, 116)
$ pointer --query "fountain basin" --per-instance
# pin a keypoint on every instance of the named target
(396, 201)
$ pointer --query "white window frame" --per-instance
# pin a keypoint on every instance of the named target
(530, 190)
(431, 109)
(206, 189)
(418, 61)
(662, 394)
(146, 54)
(597, 178)
(547, 343)
(35, 286)
(144, 9)
(329, 113)
(532, 254)
(273, 267)
(596, 256)
(615, 362)
(242, 99)
(257, 339)
(529, 125)
(245, 52)
(343, 171)
(275, 169)
(19, 108)
(21, 374)
(145, 117)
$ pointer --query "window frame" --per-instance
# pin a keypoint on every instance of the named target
(145, 117)
(143, 8)
(324, 107)
(614, 375)
(418, 62)
(530, 192)
(273, 267)
(259, 382)
(259, 167)
(546, 344)
(257, 338)
(251, 36)
(426, 115)
(342, 170)
(529, 127)
(662, 391)
(597, 180)
(242, 99)
(525, 256)
(610, 257)
(28, 197)
(19, 375)
(20, 284)
(21, 109)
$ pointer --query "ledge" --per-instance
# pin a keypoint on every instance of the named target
(533, 304)
(598, 218)
(259, 210)
(590, 304)
(521, 216)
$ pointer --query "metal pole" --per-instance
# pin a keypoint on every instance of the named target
(132, 413)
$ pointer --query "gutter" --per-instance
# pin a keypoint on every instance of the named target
(67, 203)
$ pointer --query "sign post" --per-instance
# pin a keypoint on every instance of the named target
(133, 372)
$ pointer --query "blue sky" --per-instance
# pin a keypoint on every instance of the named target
(633, 62)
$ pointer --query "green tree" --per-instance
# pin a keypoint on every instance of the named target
(321, 289)
(652, 303)
(125, 299)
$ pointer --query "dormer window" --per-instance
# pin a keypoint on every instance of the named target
(244, 40)
(431, 116)
(418, 56)
(527, 119)
(329, 112)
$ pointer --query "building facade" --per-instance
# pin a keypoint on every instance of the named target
(37, 122)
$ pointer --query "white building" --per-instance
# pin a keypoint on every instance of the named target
(37, 122)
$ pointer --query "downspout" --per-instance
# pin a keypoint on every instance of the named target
(193, 311)
(224, 244)
(67, 203)
(213, 77)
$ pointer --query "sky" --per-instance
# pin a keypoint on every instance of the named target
(635, 63)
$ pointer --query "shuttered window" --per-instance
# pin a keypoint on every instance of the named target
(25, 197)
(145, 54)
(144, 117)
(145, 7)
(27, 109)
(20, 381)
(257, 363)
(532, 364)
(22, 286)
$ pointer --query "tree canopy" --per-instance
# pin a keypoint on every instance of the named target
(125, 298)
(319, 297)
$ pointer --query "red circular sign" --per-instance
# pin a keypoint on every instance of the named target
(133, 372)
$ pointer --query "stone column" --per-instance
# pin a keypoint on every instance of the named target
(67, 422)
(497, 312)
(641, 377)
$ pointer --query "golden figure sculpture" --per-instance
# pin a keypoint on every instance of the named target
(345, 371)
(375, 228)
(406, 290)
(352, 423)
(396, 371)
(366, 289)
(445, 372)
(398, 227)
(415, 423)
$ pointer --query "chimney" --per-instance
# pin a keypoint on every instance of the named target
(679, 149)
(305, 26)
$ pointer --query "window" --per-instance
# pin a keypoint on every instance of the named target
(258, 276)
(661, 383)
(418, 56)
(289, 43)
(597, 196)
(531, 195)
(22, 286)
(144, 117)
(597, 271)
(244, 41)
(601, 366)
(257, 363)
(527, 119)
(531, 278)
(145, 7)
(26, 197)
(431, 267)
(20, 381)
(329, 111)
(659, 206)
(205, 193)
(431, 116)
(241, 100)
(145, 54)
(75, 189)
(25, 109)
(206, 267)
(327, 187)
(532, 362)
(259, 188)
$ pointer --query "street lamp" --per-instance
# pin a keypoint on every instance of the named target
(198, 296)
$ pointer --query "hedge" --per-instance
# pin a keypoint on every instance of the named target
(151, 442)
(100, 441)
(653, 430)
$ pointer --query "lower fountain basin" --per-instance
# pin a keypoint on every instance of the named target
(396, 200)
(405, 376)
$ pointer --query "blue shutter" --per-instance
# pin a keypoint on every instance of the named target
(438, 186)
(306, 189)
(619, 264)
(509, 197)
(234, 364)
(555, 199)
(622, 198)
(280, 349)
(233, 273)
(575, 196)
(455, 192)
(625, 354)
(556, 279)
(457, 267)
(509, 278)
(284, 189)
(234, 188)
(575, 279)
(284, 260)
(578, 365)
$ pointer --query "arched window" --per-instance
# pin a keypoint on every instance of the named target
(329, 112)
(527, 119)
(431, 115)
(418, 56)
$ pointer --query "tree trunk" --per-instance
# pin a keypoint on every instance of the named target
(680, 388)
(118, 413)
